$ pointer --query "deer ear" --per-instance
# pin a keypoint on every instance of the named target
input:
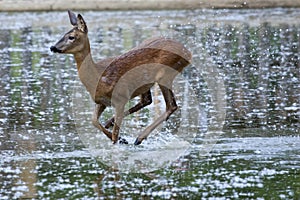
(73, 19)
(81, 24)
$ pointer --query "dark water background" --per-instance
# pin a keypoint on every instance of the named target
(256, 52)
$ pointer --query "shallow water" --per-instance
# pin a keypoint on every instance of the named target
(236, 133)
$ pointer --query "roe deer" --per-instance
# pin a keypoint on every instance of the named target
(114, 81)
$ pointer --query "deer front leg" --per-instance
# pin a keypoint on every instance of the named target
(118, 121)
(171, 106)
(99, 108)
(146, 99)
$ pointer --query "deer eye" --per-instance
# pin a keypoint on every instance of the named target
(71, 37)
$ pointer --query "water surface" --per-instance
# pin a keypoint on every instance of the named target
(239, 107)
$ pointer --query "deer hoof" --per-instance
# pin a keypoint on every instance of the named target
(122, 141)
(138, 141)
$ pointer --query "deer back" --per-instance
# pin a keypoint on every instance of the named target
(152, 55)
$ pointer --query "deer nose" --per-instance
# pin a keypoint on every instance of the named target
(54, 49)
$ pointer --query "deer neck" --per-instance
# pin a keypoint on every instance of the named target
(87, 70)
(84, 57)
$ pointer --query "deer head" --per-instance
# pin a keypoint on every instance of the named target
(76, 40)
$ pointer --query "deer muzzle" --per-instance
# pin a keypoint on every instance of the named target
(54, 49)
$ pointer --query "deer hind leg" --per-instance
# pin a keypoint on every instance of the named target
(146, 99)
(171, 106)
